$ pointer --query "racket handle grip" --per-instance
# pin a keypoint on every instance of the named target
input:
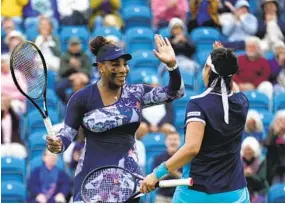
(175, 182)
(48, 125)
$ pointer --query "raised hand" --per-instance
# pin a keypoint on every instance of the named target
(164, 52)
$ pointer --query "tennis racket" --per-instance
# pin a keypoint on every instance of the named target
(28, 63)
(113, 184)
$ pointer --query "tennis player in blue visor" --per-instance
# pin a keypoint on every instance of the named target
(214, 123)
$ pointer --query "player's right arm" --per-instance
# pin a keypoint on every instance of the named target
(72, 121)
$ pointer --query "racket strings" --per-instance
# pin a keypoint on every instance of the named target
(108, 186)
(28, 63)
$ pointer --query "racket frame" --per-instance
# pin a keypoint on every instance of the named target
(43, 112)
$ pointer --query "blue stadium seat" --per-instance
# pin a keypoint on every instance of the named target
(143, 76)
(201, 56)
(276, 193)
(104, 31)
(164, 32)
(137, 16)
(266, 118)
(38, 161)
(51, 79)
(269, 55)
(257, 100)
(81, 32)
(37, 140)
(188, 78)
(279, 102)
(52, 101)
(185, 99)
(13, 169)
(144, 59)
(35, 122)
(204, 37)
(154, 144)
(239, 52)
(31, 25)
(179, 117)
(126, 3)
(139, 38)
(13, 192)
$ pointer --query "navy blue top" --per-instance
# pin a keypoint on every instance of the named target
(217, 168)
(110, 130)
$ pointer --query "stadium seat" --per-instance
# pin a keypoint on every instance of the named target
(204, 37)
(154, 144)
(139, 38)
(81, 32)
(257, 100)
(240, 52)
(276, 193)
(279, 102)
(164, 32)
(185, 99)
(31, 25)
(37, 140)
(105, 31)
(266, 118)
(143, 76)
(35, 121)
(144, 59)
(269, 55)
(201, 56)
(126, 3)
(52, 101)
(13, 169)
(137, 16)
(179, 117)
(51, 79)
(188, 78)
(13, 192)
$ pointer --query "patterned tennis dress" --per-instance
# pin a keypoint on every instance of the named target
(110, 130)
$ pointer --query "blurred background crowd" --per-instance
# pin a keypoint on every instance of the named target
(254, 29)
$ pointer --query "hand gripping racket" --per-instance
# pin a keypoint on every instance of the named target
(27, 63)
(113, 184)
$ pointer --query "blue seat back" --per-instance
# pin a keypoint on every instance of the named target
(164, 32)
(143, 76)
(144, 59)
(257, 100)
(154, 144)
(204, 37)
(279, 102)
(105, 31)
(126, 3)
(137, 16)
(139, 38)
(81, 32)
(276, 193)
(13, 169)
(13, 192)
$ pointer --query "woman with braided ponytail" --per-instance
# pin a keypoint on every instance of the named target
(214, 124)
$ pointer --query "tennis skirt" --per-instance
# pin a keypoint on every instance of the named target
(185, 195)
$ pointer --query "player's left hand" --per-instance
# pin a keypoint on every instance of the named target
(164, 52)
(148, 184)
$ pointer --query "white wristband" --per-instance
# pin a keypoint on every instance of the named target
(172, 68)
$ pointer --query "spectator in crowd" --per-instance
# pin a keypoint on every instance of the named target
(238, 25)
(271, 28)
(172, 143)
(13, 39)
(73, 12)
(254, 164)
(13, 9)
(254, 126)
(275, 144)
(203, 13)
(13, 103)
(108, 10)
(183, 47)
(157, 118)
(48, 43)
(75, 70)
(36, 8)
(254, 70)
(48, 183)
(277, 65)
(163, 11)
(8, 26)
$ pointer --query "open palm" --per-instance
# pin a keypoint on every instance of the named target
(164, 52)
